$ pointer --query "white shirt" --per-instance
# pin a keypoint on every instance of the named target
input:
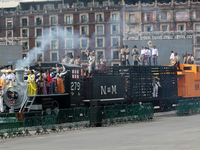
(10, 77)
(148, 53)
(172, 56)
(3, 77)
(143, 52)
(154, 52)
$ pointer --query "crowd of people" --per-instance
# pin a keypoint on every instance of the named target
(46, 82)
(92, 60)
(187, 59)
(147, 54)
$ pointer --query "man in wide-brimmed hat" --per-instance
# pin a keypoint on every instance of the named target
(135, 53)
(156, 85)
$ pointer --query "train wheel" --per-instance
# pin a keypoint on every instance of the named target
(55, 107)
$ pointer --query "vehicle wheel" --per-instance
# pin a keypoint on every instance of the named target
(55, 107)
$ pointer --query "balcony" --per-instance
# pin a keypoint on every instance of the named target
(69, 22)
(149, 20)
(129, 22)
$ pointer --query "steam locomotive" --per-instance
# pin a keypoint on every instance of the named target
(107, 86)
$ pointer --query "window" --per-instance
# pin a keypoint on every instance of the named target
(148, 28)
(132, 29)
(9, 33)
(84, 57)
(9, 24)
(69, 54)
(54, 45)
(164, 28)
(181, 27)
(163, 16)
(197, 27)
(39, 32)
(39, 56)
(69, 43)
(116, 65)
(198, 40)
(54, 31)
(39, 44)
(198, 53)
(115, 54)
(99, 42)
(37, 7)
(115, 29)
(24, 22)
(99, 18)
(99, 54)
(24, 45)
(84, 30)
(115, 17)
(48, 6)
(69, 31)
(68, 20)
(38, 21)
(181, 15)
(99, 30)
(53, 20)
(197, 14)
(115, 41)
(132, 18)
(54, 56)
(83, 19)
(84, 43)
(24, 32)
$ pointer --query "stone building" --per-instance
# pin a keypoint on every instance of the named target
(70, 27)
(57, 28)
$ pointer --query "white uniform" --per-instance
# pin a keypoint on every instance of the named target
(10, 77)
(172, 56)
(156, 84)
(1, 100)
(154, 56)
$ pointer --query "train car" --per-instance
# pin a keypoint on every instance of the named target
(107, 86)
(188, 81)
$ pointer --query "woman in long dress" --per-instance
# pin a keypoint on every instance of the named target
(3, 81)
(1, 99)
(32, 85)
(60, 85)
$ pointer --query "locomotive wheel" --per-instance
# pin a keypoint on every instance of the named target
(55, 107)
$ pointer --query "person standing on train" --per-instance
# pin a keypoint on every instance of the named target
(1, 99)
(49, 83)
(176, 59)
(154, 55)
(156, 85)
(77, 61)
(192, 59)
(127, 50)
(3, 80)
(10, 77)
(149, 56)
(142, 55)
(172, 58)
(123, 55)
(135, 53)
(184, 59)
(189, 59)
(32, 84)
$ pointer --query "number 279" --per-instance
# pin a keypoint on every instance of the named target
(75, 86)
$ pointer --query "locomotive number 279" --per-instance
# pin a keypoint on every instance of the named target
(75, 86)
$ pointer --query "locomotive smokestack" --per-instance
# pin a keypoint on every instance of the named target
(20, 75)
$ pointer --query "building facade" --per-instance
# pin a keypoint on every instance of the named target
(59, 27)
(65, 29)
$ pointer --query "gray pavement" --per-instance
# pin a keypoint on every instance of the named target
(166, 132)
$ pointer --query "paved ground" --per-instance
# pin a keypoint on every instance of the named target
(166, 132)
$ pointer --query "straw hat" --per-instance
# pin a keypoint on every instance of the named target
(157, 78)
(3, 71)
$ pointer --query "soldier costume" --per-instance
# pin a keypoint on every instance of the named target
(135, 53)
